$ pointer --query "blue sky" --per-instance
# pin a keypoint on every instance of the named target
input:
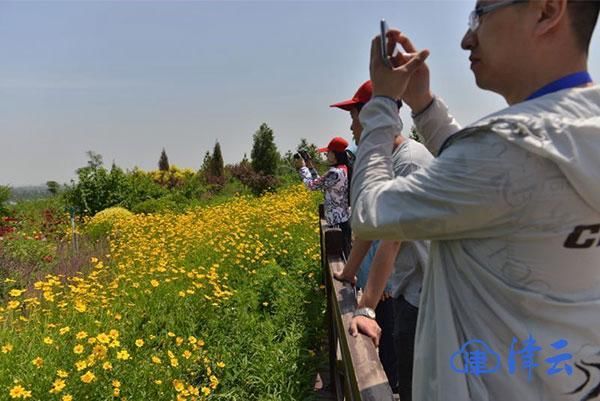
(126, 79)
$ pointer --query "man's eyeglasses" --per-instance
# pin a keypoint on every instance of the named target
(475, 16)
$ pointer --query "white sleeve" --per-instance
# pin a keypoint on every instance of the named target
(435, 124)
(467, 192)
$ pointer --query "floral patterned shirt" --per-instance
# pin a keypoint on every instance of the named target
(335, 185)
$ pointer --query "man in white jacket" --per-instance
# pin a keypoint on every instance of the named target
(510, 305)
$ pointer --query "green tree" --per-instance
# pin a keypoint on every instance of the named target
(163, 162)
(53, 187)
(4, 196)
(206, 162)
(216, 162)
(97, 188)
(264, 153)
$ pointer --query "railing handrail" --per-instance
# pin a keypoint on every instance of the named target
(355, 367)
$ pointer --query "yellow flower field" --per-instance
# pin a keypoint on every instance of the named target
(134, 326)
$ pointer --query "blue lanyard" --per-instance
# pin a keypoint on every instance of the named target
(570, 81)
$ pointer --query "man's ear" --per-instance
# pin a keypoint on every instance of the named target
(550, 14)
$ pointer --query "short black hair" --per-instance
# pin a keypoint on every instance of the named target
(584, 15)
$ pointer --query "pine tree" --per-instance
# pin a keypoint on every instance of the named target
(264, 153)
(206, 163)
(216, 162)
(163, 162)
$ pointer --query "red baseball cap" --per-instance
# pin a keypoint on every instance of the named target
(337, 144)
(362, 96)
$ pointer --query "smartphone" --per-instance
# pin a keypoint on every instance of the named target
(384, 28)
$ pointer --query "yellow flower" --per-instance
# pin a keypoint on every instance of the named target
(64, 330)
(159, 382)
(114, 334)
(220, 364)
(174, 362)
(187, 354)
(107, 366)
(81, 335)
(19, 392)
(88, 377)
(78, 349)
(80, 365)
(13, 304)
(156, 360)
(48, 340)
(154, 283)
(123, 355)
(7, 348)
(178, 385)
(116, 383)
(57, 386)
(205, 391)
(38, 362)
(192, 340)
(116, 392)
(139, 342)
(80, 306)
(62, 374)
(15, 293)
(103, 338)
(67, 397)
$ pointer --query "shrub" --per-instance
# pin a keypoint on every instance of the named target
(97, 188)
(101, 224)
(258, 183)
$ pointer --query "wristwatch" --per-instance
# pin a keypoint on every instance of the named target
(366, 312)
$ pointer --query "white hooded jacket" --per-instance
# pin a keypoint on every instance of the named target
(512, 204)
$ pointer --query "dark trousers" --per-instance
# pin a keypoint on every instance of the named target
(405, 326)
(346, 237)
(387, 354)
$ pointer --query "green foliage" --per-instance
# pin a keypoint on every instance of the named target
(206, 163)
(4, 196)
(140, 188)
(29, 250)
(97, 188)
(216, 162)
(264, 153)
(53, 187)
(163, 162)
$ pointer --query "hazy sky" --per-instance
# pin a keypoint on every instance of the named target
(126, 79)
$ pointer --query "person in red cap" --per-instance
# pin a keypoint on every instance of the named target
(335, 183)
(389, 272)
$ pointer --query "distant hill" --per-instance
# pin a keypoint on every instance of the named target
(29, 192)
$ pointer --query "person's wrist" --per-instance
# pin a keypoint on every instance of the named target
(366, 312)
(385, 94)
(420, 104)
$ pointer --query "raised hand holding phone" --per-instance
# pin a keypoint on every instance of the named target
(392, 81)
